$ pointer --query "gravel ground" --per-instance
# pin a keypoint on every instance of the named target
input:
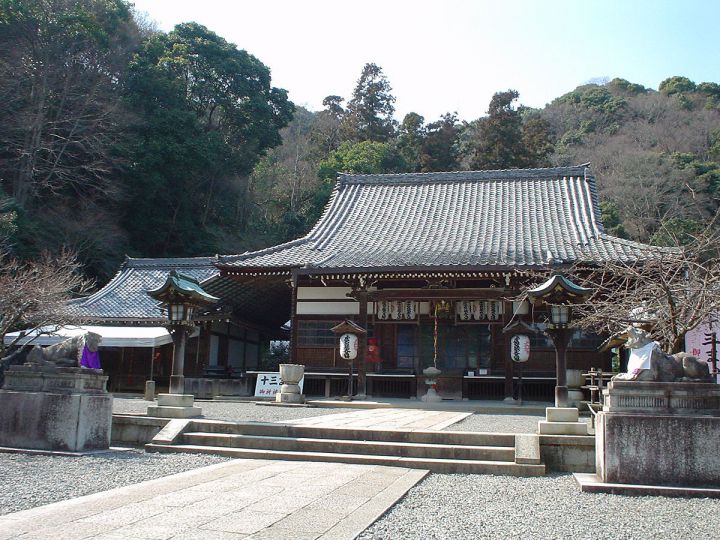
(30, 480)
(453, 507)
(500, 423)
(231, 411)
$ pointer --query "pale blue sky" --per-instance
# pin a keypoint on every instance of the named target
(452, 55)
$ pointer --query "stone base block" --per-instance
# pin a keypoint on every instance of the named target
(589, 483)
(55, 421)
(562, 428)
(527, 449)
(432, 396)
(561, 414)
(163, 411)
(282, 397)
(176, 400)
(661, 450)
(568, 453)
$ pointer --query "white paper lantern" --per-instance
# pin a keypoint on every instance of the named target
(348, 346)
(409, 310)
(520, 348)
(396, 309)
(464, 310)
(483, 309)
(383, 310)
(493, 312)
(475, 309)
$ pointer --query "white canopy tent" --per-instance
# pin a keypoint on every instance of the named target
(112, 336)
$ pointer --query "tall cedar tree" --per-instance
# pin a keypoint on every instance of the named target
(369, 114)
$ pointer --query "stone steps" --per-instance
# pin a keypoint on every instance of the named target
(356, 433)
(344, 446)
(461, 466)
(437, 451)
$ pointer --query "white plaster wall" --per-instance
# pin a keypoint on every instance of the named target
(323, 293)
(328, 308)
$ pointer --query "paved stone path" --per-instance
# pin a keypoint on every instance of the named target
(251, 499)
(405, 419)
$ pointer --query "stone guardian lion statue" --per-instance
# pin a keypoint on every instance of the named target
(648, 362)
(67, 353)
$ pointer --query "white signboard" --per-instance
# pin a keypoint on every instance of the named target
(268, 384)
(695, 341)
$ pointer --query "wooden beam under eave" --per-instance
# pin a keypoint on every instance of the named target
(435, 294)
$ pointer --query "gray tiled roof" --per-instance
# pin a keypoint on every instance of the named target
(125, 297)
(472, 219)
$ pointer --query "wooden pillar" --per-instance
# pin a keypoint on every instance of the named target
(361, 296)
(293, 320)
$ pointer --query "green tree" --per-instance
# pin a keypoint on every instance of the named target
(209, 114)
(438, 149)
(369, 114)
(62, 63)
(676, 85)
(537, 141)
(611, 219)
(677, 231)
(61, 121)
(366, 157)
(499, 143)
(410, 140)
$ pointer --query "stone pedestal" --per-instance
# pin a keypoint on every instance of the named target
(562, 421)
(574, 381)
(55, 408)
(663, 434)
(431, 374)
(290, 375)
(175, 406)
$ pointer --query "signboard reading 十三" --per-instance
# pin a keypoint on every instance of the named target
(268, 384)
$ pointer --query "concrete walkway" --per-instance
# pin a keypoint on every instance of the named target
(252, 499)
(403, 419)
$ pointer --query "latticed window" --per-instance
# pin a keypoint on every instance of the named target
(316, 333)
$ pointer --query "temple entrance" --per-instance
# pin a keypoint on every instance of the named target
(459, 347)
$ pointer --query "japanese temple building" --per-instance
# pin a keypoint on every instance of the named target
(396, 254)
(136, 345)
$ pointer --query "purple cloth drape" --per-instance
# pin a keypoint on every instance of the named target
(90, 359)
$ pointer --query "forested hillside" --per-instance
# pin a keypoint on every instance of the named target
(116, 138)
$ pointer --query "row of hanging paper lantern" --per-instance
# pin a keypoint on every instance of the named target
(396, 310)
(479, 310)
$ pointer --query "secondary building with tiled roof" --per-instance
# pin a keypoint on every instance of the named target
(392, 249)
(228, 338)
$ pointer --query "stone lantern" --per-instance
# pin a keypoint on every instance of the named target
(559, 293)
(180, 296)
